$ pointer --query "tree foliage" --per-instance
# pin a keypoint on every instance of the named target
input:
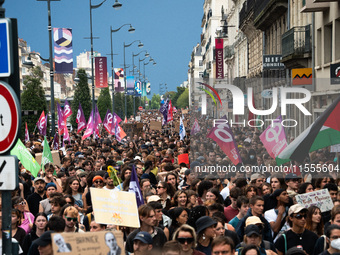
(175, 97)
(81, 95)
(155, 101)
(33, 98)
(119, 104)
(104, 102)
(183, 100)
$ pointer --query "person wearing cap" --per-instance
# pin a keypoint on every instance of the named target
(256, 209)
(111, 242)
(44, 243)
(298, 235)
(45, 205)
(277, 217)
(148, 221)
(34, 199)
(292, 181)
(142, 243)
(205, 234)
(257, 179)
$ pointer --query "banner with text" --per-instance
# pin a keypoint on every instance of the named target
(219, 58)
(100, 64)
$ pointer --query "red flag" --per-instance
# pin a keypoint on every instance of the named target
(27, 136)
(223, 136)
(170, 115)
(125, 120)
(89, 127)
(42, 124)
(119, 132)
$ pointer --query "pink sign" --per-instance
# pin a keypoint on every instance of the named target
(274, 138)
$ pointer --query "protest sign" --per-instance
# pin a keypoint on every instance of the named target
(155, 125)
(115, 207)
(177, 124)
(137, 118)
(183, 158)
(88, 243)
(186, 111)
(319, 198)
(55, 156)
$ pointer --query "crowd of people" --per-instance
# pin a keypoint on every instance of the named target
(185, 211)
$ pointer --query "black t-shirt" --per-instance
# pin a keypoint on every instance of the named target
(33, 202)
(307, 240)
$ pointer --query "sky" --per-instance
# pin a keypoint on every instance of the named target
(169, 29)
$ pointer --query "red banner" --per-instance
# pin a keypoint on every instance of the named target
(219, 58)
(101, 72)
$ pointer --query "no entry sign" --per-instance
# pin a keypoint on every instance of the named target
(10, 117)
(140, 108)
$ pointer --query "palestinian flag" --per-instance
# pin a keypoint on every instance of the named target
(325, 131)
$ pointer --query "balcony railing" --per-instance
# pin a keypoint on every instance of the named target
(228, 51)
(296, 41)
(267, 11)
(248, 6)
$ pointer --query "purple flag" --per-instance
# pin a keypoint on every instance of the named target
(108, 121)
(56, 142)
(67, 110)
(42, 124)
(89, 127)
(97, 120)
(195, 128)
(61, 121)
(164, 111)
(80, 119)
(135, 188)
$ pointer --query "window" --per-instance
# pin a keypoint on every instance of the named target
(319, 48)
(328, 44)
(337, 38)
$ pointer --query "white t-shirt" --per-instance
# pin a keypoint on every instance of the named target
(271, 216)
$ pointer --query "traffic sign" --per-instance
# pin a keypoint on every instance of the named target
(10, 117)
(8, 172)
(140, 108)
(5, 48)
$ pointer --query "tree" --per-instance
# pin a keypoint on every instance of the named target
(155, 101)
(104, 102)
(183, 100)
(33, 98)
(174, 98)
(81, 95)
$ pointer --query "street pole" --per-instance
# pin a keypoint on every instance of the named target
(92, 67)
(125, 84)
(113, 87)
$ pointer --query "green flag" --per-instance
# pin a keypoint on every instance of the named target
(26, 158)
(47, 155)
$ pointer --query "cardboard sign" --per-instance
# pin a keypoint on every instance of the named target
(137, 118)
(186, 111)
(55, 156)
(185, 123)
(155, 125)
(319, 198)
(88, 243)
(115, 207)
(132, 129)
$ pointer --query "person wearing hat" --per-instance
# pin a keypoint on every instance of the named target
(253, 236)
(34, 199)
(142, 243)
(292, 181)
(277, 216)
(298, 235)
(45, 205)
(205, 234)
(44, 243)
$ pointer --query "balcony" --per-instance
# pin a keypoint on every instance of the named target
(203, 39)
(247, 8)
(266, 12)
(312, 6)
(297, 47)
(204, 19)
(229, 51)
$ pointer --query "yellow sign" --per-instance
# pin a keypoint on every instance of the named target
(302, 76)
(88, 243)
(115, 207)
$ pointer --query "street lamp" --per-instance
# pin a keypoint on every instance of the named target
(144, 64)
(130, 30)
(140, 45)
(116, 6)
(49, 28)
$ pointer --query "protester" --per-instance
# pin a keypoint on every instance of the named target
(186, 236)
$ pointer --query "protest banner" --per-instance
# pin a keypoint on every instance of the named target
(55, 156)
(155, 125)
(115, 207)
(88, 243)
(319, 198)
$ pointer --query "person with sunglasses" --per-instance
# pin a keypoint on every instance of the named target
(186, 236)
(298, 235)
(70, 216)
(27, 217)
